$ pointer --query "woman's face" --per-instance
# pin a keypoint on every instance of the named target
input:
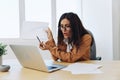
(66, 28)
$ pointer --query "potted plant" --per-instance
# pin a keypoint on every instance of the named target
(2, 51)
(3, 68)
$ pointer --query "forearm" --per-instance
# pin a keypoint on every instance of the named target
(65, 56)
(81, 53)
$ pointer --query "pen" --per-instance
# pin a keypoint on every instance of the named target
(38, 39)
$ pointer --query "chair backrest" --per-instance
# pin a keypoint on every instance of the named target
(93, 47)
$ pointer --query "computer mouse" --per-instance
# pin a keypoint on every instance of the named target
(4, 68)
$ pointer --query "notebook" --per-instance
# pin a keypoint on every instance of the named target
(29, 56)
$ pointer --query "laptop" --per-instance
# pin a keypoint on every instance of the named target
(29, 56)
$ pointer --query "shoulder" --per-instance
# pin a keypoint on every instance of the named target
(87, 36)
(86, 40)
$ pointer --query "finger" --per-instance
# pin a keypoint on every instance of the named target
(42, 47)
(42, 44)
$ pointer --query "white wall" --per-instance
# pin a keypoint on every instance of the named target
(116, 28)
(97, 16)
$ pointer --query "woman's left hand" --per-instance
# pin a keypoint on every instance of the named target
(49, 34)
(43, 45)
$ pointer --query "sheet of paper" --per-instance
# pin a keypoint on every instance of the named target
(83, 68)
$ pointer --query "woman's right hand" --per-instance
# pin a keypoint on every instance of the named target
(43, 46)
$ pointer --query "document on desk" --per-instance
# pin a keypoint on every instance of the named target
(83, 68)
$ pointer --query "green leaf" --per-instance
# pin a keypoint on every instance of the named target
(2, 49)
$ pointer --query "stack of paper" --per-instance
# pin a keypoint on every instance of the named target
(83, 68)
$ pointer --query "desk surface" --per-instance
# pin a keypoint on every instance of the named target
(110, 69)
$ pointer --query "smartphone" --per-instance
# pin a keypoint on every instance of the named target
(38, 39)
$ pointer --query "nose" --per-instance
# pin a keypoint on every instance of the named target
(64, 29)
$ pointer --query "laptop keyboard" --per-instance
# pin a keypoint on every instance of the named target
(51, 67)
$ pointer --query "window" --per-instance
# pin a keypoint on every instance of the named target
(37, 10)
(63, 6)
(37, 15)
(32, 14)
(9, 19)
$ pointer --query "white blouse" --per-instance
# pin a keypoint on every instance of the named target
(69, 45)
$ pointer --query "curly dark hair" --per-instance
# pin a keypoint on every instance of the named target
(77, 28)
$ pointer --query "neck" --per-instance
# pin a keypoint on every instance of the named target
(67, 40)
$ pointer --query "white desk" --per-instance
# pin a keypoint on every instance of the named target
(110, 69)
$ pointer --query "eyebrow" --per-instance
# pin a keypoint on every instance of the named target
(65, 24)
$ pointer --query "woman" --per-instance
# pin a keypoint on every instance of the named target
(73, 40)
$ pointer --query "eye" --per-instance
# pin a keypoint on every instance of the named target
(61, 27)
(67, 26)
